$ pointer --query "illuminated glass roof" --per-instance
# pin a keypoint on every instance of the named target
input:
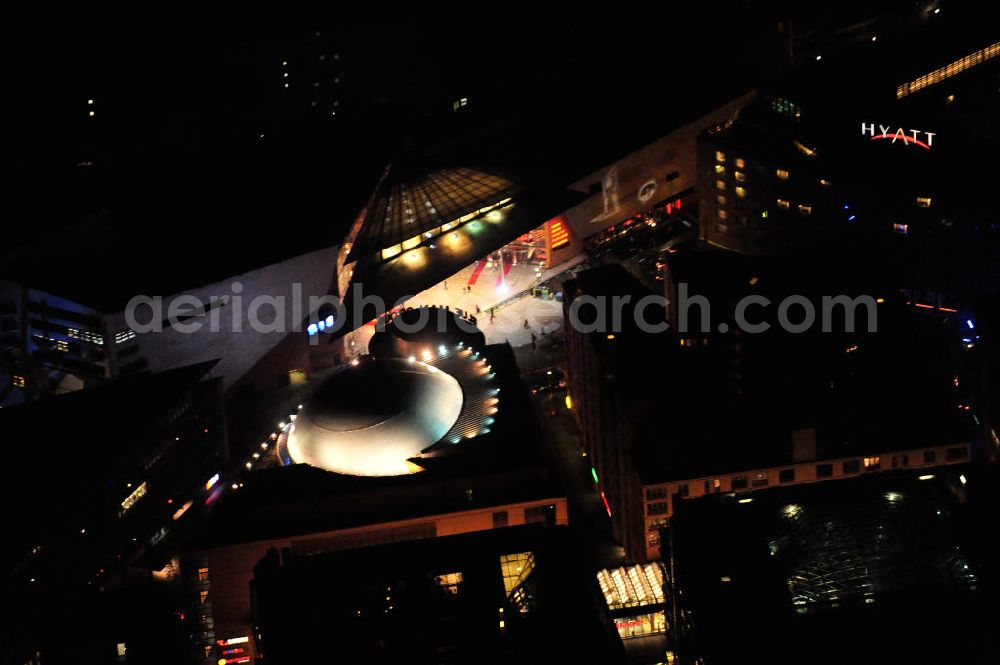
(632, 586)
(402, 209)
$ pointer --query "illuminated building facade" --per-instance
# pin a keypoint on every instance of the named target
(127, 470)
(430, 435)
(637, 604)
(762, 187)
(51, 345)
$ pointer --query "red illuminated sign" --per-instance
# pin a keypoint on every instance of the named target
(905, 136)
(558, 233)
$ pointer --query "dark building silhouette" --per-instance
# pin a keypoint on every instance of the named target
(514, 595)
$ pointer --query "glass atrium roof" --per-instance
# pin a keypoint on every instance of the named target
(401, 211)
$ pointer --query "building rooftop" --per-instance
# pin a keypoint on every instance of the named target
(804, 572)
(402, 208)
(502, 464)
(517, 594)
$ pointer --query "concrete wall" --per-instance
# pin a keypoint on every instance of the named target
(639, 180)
(238, 351)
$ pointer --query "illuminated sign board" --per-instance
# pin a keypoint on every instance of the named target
(905, 136)
(558, 233)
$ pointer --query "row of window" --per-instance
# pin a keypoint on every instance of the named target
(785, 204)
(721, 158)
(658, 497)
(740, 163)
(532, 515)
(949, 70)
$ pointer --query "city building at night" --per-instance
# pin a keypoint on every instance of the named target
(428, 436)
(517, 594)
(110, 482)
(762, 185)
(814, 572)
(614, 392)
(637, 604)
(351, 342)
(754, 416)
(51, 345)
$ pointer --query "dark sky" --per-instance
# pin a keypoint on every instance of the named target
(188, 191)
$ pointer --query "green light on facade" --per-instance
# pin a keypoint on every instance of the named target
(593, 472)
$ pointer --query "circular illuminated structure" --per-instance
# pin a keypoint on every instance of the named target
(371, 419)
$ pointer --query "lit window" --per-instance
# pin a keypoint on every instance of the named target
(656, 493)
(902, 229)
(515, 570)
(720, 184)
(924, 201)
(804, 149)
(723, 215)
(658, 508)
(721, 200)
(720, 169)
(450, 583)
(18, 381)
(390, 252)
(133, 498)
(783, 204)
(741, 192)
(760, 479)
(805, 210)
(203, 574)
(824, 182)
(740, 163)
(782, 174)
(720, 156)
(949, 70)
(872, 463)
(740, 176)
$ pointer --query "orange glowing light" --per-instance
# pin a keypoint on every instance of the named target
(558, 233)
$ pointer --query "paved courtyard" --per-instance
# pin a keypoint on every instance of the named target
(486, 290)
